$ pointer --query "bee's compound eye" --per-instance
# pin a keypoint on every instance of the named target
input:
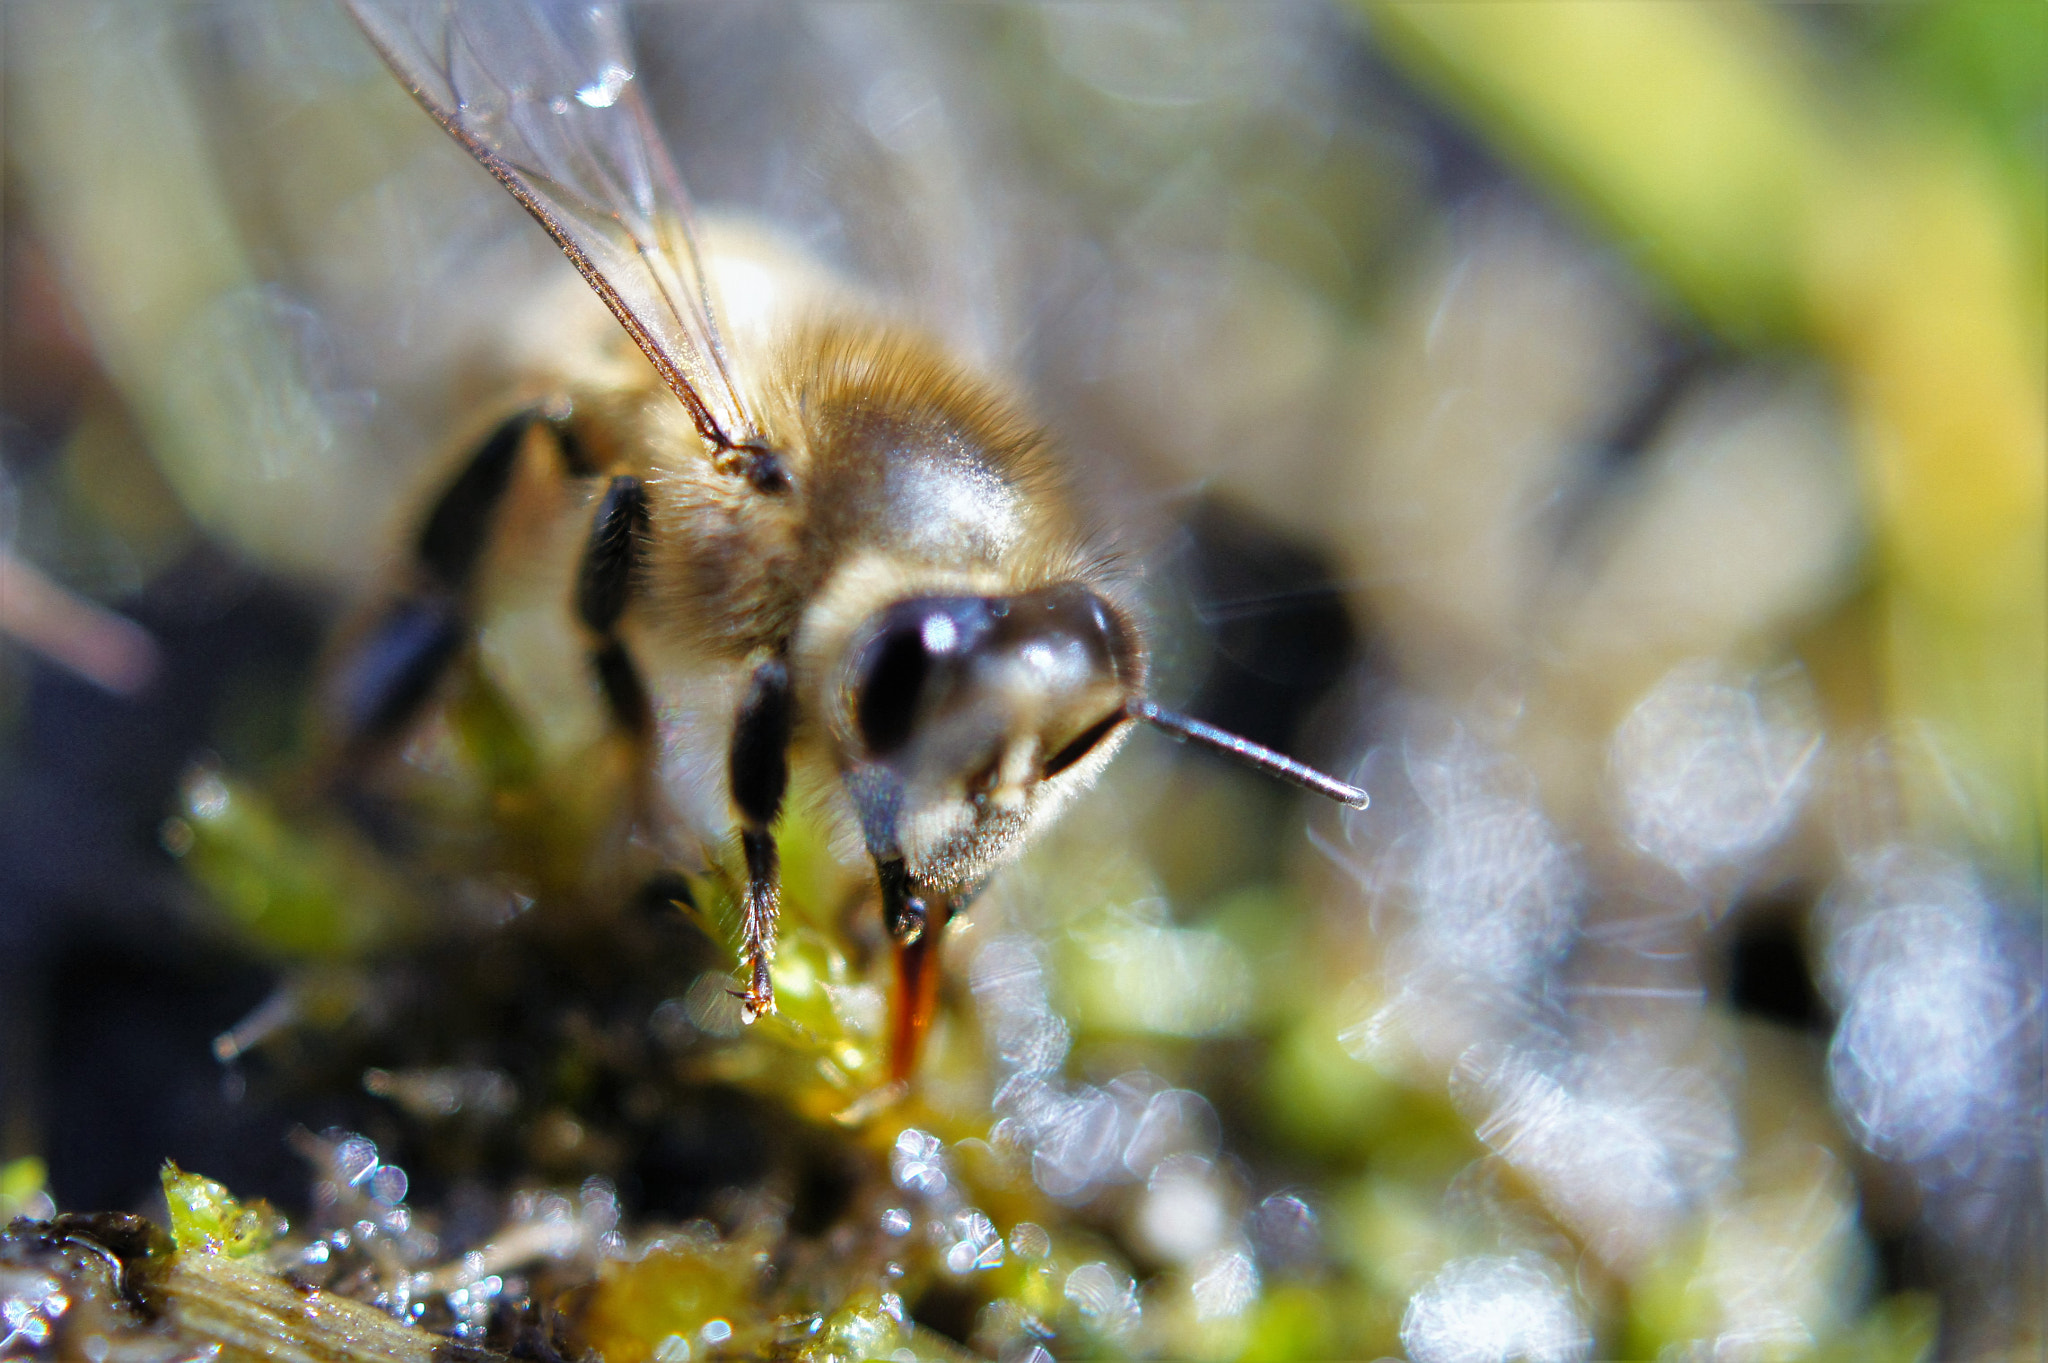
(892, 678)
(915, 644)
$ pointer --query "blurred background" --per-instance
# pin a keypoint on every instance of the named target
(1616, 435)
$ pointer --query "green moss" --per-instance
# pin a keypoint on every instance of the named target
(293, 885)
(22, 1184)
(689, 1297)
(1292, 1321)
(1321, 1097)
(207, 1219)
(868, 1326)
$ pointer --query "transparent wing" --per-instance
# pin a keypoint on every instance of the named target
(542, 93)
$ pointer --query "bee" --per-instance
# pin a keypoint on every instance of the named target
(875, 537)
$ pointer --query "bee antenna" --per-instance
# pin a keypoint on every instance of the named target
(1251, 754)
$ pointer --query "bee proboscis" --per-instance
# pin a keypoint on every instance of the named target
(874, 538)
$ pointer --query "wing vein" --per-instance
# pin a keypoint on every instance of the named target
(538, 92)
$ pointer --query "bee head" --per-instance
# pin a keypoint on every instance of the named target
(973, 717)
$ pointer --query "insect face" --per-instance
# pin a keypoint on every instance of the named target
(971, 717)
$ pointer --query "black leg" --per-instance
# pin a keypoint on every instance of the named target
(376, 691)
(459, 526)
(759, 770)
(378, 688)
(611, 558)
(604, 584)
